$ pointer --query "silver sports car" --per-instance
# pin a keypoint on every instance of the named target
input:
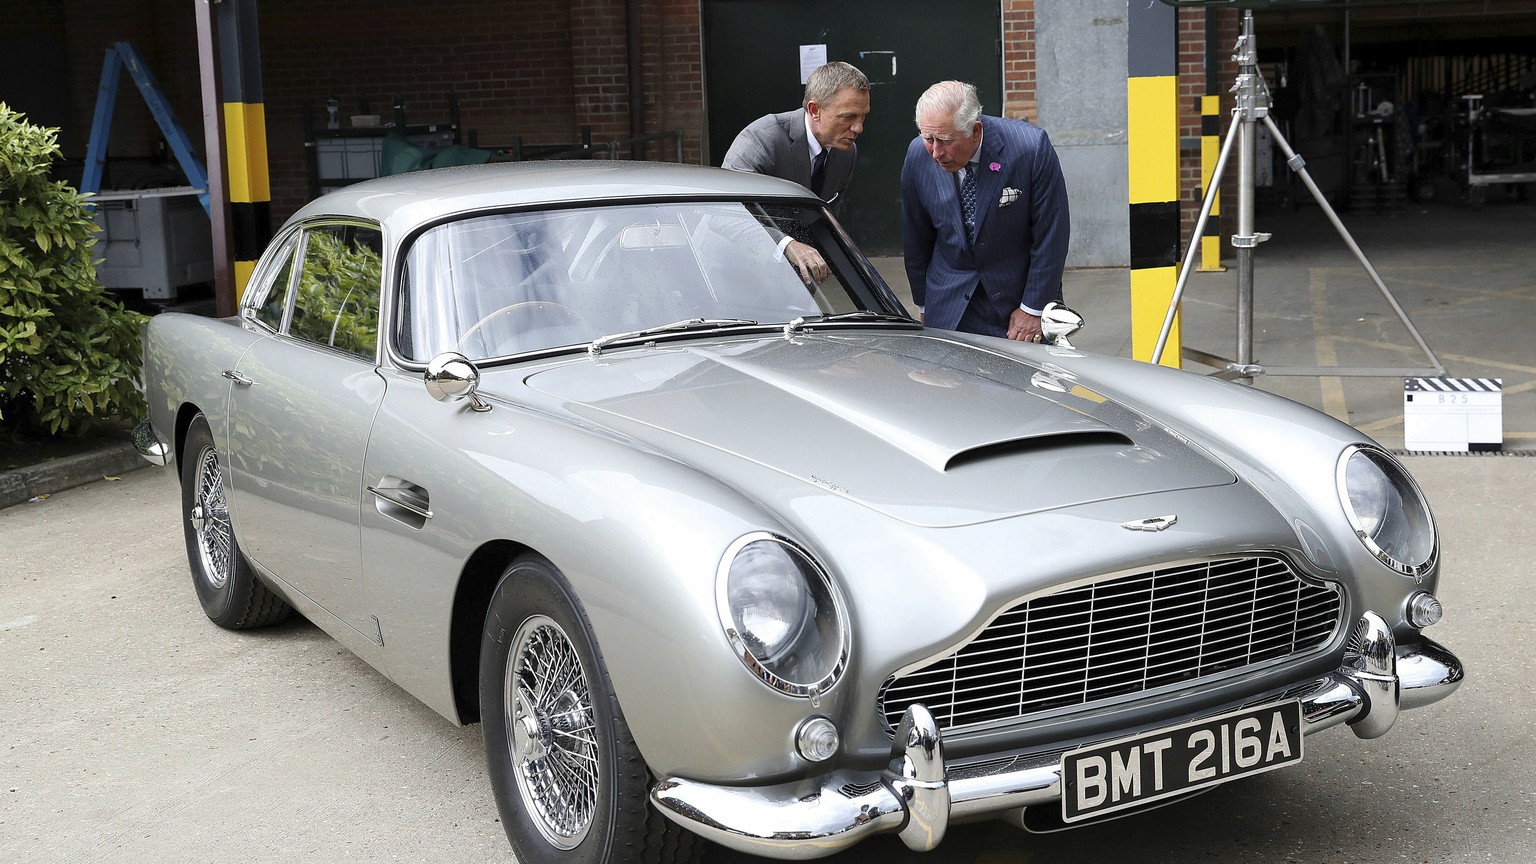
(643, 468)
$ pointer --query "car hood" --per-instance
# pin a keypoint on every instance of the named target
(929, 430)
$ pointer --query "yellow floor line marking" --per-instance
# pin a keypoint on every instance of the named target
(1334, 402)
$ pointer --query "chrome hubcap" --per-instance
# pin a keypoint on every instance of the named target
(551, 733)
(529, 737)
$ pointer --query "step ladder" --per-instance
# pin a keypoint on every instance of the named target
(125, 55)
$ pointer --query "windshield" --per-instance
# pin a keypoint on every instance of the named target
(494, 286)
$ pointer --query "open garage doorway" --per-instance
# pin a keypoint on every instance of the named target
(752, 56)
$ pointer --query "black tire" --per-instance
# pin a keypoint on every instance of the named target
(579, 797)
(229, 591)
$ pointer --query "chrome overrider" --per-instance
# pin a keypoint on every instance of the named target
(916, 797)
(150, 445)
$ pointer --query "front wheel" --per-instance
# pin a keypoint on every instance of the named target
(231, 595)
(570, 783)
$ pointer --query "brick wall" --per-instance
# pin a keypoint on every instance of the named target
(1192, 86)
(1019, 59)
(600, 67)
(1192, 31)
(674, 65)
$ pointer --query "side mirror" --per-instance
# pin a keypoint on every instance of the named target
(1058, 322)
(451, 377)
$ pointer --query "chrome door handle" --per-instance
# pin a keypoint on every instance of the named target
(238, 378)
(404, 498)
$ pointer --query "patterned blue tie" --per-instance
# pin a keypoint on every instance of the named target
(968, 201)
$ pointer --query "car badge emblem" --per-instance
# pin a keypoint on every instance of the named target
(1156, 523)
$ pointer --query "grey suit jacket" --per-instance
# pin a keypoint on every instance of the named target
(1022, 227)
(775, 144)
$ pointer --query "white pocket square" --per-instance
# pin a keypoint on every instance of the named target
(1009, 196)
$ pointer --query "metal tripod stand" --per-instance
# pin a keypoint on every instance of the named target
(1253, 108)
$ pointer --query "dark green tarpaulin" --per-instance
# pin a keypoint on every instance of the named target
(400, 156)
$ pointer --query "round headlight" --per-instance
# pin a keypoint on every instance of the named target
(780, 615)
(1386, 510)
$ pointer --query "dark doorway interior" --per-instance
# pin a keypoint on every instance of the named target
(33, 80)
(751, 59)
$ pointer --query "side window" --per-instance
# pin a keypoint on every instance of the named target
(339, 287)
(270, 312)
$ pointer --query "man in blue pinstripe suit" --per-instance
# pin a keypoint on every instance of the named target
(984, 217)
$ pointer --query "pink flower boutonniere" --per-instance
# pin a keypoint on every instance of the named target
(995, 166)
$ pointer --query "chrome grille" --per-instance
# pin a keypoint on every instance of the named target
(1123, 636)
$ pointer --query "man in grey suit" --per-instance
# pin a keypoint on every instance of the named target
(984, 217)
(813, 145)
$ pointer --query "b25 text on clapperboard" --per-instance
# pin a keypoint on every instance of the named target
(1453, 414)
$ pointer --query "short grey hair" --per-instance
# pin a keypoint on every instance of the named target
(826, 80)
(956, 100)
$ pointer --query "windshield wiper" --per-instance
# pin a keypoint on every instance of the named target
(684, 326)
(863, 315)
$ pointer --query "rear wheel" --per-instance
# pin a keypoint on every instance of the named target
(570, 783)
(231, 595)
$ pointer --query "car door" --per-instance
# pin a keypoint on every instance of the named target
(302, 404)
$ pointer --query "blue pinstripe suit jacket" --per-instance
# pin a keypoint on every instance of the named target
(1021, 246)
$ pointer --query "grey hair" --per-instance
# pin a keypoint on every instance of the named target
(956, 100)
(827, 79)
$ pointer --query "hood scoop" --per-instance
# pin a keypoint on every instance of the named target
(1037, 446)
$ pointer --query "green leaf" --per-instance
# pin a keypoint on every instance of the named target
(70, 351)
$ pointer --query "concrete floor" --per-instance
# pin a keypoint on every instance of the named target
(1464, 277)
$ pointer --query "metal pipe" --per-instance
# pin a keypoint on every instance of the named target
(1249, 97)
(213, 145)
(632, 38)
(1245, 161)
(1213, 189)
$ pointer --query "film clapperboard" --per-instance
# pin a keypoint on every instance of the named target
(1453, 414)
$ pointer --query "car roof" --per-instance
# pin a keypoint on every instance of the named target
(420, 197)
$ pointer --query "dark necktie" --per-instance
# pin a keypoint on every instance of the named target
(818, 170)
(968, 201)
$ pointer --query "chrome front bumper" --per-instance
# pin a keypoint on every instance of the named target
(918, 797)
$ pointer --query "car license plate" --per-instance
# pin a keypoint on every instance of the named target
(1104, 778)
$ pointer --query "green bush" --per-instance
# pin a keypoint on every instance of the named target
(69, 353)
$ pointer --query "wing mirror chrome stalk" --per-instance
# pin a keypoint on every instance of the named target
(1057, 322)
(450, 377)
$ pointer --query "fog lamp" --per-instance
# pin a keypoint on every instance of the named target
(817, 739)
(1424, 610)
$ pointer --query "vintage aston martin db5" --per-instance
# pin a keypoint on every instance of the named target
(711, 548)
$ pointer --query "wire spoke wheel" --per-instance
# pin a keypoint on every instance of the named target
(570, 784)
(227, 587)
(210, 519)
(552, 733)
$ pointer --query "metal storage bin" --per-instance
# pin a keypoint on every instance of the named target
(344, 156)
(152, 240)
